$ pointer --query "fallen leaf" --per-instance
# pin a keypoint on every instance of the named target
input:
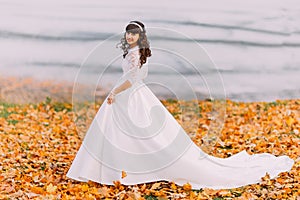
(124, 174)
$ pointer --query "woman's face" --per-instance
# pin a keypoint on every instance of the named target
(132, 38)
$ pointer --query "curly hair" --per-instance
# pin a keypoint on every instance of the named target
(143, 43)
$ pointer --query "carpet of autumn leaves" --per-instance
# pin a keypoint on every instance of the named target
(39, 142)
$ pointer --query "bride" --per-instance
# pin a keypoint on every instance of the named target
(134, 139)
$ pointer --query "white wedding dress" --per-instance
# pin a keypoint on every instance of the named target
(136, 134)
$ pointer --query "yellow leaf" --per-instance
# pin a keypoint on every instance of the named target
(155, 186)
(51, 189)
(85, 188)
(224, 193)
(290, 121)
(143, 188)
(173, 186)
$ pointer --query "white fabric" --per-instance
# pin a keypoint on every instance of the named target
(131, 67)
(138, 135)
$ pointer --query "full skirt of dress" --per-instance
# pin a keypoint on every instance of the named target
(138, 135)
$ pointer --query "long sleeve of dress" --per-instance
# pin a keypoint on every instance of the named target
(131, 66)
(134, 64)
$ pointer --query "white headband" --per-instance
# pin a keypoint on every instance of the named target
(137, 25)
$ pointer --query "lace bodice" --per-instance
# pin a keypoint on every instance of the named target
(131, 64)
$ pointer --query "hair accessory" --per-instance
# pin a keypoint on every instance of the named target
(137, 25)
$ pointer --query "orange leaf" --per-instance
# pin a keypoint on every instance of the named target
(124, 174)
(37, 190)
(187, 186)
(290, 121)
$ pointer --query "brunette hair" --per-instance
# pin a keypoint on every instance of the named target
(143, 43)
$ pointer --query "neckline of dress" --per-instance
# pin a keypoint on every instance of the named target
(133, 48)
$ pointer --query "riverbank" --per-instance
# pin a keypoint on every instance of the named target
(22, 90)
(40, 140)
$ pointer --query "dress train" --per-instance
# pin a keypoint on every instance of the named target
(138, 135)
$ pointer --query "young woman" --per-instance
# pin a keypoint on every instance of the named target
(134, 139)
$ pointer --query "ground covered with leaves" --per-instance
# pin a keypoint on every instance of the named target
(39, 142)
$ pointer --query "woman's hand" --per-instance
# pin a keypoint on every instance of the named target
(117, 90)
(111, 98)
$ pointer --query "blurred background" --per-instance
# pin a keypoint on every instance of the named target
(253, 45)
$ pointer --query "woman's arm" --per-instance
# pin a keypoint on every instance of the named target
(134, 63)
(122, 87)
(117, 90)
